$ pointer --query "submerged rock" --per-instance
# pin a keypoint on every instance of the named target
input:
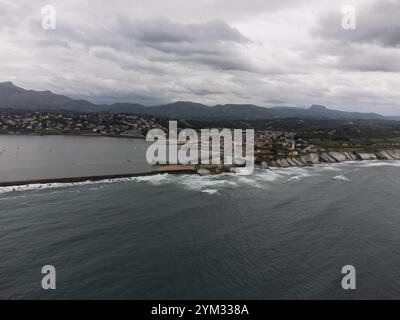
(203, 172)
(264, 165)
(226, 167)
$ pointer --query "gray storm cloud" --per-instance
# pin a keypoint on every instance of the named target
(377, 23)
(261, 52)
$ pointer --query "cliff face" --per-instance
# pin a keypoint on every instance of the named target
(332, 157)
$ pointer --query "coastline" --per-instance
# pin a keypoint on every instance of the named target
(308, 160)
(17, 183)
(331, 157)
(72, 135)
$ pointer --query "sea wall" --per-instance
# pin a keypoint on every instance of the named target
(183, 170)
(331, 157)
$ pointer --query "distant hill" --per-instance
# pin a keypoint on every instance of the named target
(16, 98)
(196, 111)
(396, 118)
(13, 97)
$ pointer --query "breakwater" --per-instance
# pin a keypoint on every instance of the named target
(95, 178)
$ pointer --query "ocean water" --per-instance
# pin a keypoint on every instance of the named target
(277, 234)
(40, 157)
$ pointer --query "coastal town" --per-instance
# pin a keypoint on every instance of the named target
(272, 147)
(268, 144)
(53, 123)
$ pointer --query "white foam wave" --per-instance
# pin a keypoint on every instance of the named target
(293, 179)
(294, 171)
(212, 184)
(157, 179)
(210, 191)
(394, 163)
(333, 167)
(32, 187)
(42, 186)
(248, 180)
(199, 183)
(341, 178)
(267, 175)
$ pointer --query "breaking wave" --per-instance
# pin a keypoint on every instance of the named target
(42, 186)
(261, 178)
(368, 164)
(341, 178)
(210, 191)
(293, 179)
(157, 179)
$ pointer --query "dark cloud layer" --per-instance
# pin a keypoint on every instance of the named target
(260, 51)
(376, 23)
(162, 30)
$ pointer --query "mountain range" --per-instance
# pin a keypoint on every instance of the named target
(15, 98)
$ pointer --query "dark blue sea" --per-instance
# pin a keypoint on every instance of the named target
(277, 234)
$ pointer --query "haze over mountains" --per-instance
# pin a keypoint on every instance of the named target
(16, 98)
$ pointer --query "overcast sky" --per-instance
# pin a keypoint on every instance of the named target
(265, 52)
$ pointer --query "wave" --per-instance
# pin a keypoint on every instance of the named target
(207, 184)
(267, 175)
(157, 179)
(293, 179)
(210, 191)
(199, 183)
(341, 178)
(260, 178)
(42, 186)
(32, 187)
(332, 167)
(368, 164)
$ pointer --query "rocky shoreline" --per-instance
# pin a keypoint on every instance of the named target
(307, 160)
(331, 157)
